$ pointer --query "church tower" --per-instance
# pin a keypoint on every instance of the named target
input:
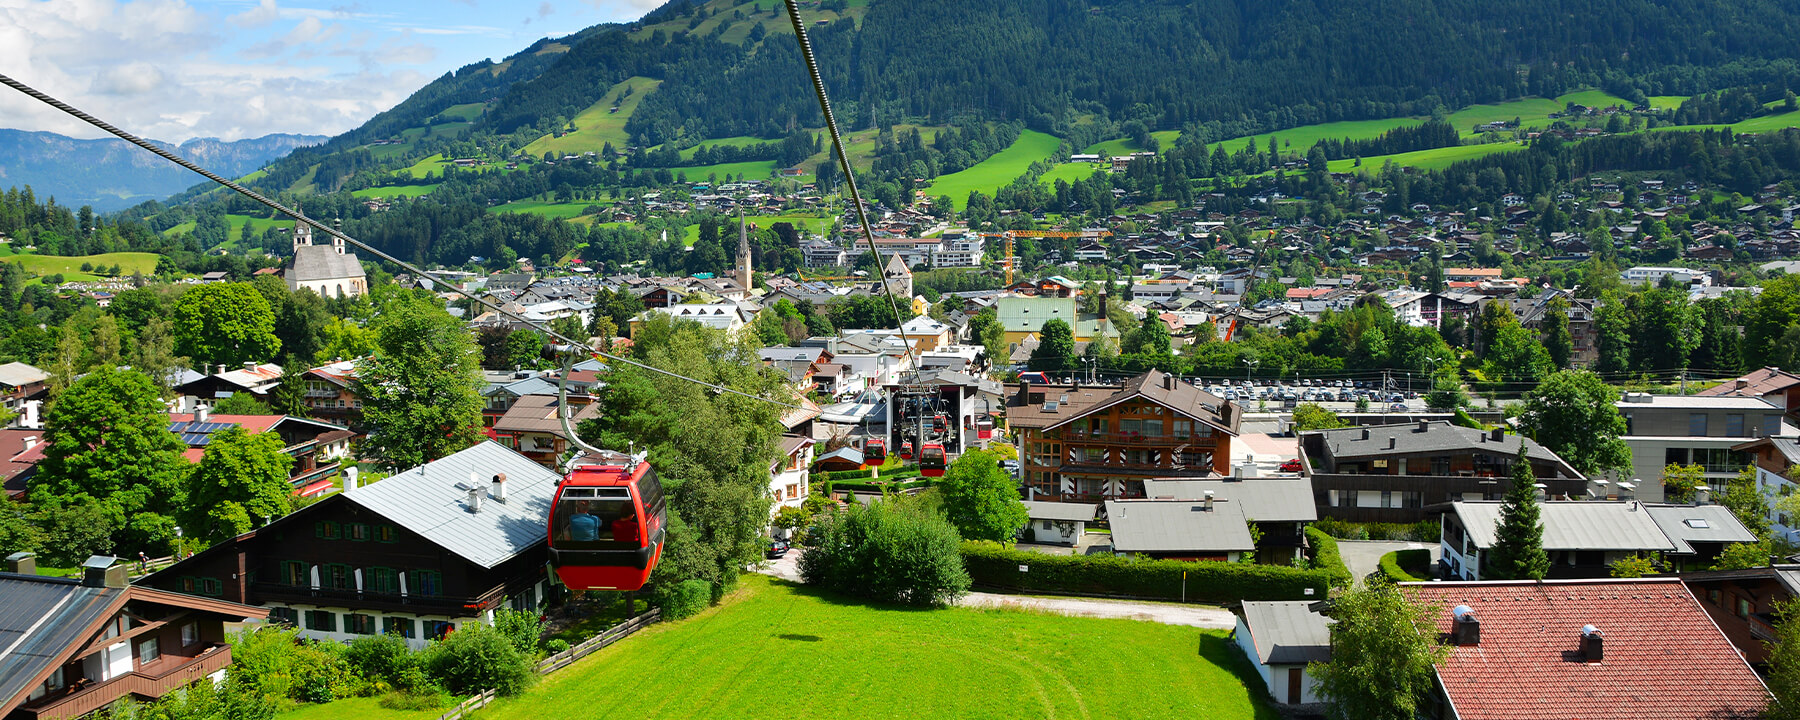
(302, 234)
(743, 257)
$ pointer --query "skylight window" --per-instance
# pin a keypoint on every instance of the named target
(1697, 523)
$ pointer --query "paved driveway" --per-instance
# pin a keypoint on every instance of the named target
(1200, 616)
(1363, 557)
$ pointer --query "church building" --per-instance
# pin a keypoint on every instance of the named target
(330, 271)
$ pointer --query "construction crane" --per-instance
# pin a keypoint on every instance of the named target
(1010, 234)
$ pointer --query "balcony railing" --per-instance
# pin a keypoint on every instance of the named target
(355, 598)
(78, 701)
(1130, 438)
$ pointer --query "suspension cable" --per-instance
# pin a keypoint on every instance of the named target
(409, 267)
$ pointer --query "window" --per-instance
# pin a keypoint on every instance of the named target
(338, 576)
(427, 582)
(326, 530)
(1697, 424)
(189, 584)
(284, 615)
(1713, 595)
(1675, 456)
(148, 651)
(295, 573)
(321, 620)
(190, 634)
(1734, 425)
(1153, 428)
(397, 626)
(1440, 465)
(211, 587)
(583, 517)
(386, 534)
(1046, 524)
(1771, 425)
(381, 579)
(441, 629)
(1184, 429)
(356, 531)
(356, 624)
(1743, 607)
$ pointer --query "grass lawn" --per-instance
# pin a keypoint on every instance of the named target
(566, 211)
(1766, 123)
(598, 125)
(1069, 173)
(1433, 159)
(1124, 146)
(257, 224)
(466, 112)
(1666, 102)
(752, 170)
(70, 267)
(393, 191)
(996, 171)
(781, 651)
(1301, 139)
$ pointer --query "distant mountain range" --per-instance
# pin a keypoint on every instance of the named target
(110, 174)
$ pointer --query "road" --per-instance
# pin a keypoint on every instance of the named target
(1200, 616)
(1363, 557)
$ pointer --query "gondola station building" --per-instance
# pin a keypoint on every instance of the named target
(419, 553)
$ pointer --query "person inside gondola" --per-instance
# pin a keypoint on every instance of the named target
(625, 529)
(583, 526)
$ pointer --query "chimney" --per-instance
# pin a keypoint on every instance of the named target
(1024, 392)
(1740, 384)
(31, 441)
(1498, 434)
(1466, 630)
(1365, 433)
(499, 488)
(250, 365)
(201, 413)
(1392, 442)
(1169, 382)
(23, 563)
(1424, 425)
(1702, 495)
(221, 369)
(475, 500)
(1593, 644)
(102, 571)
(1209, 500)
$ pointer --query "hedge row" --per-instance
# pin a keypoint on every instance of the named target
(1326, 558)
(916, 482)
(1394, 564)
(905, 472)
(992, 565)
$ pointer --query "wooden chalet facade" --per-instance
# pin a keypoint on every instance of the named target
(1094, 443)
(412, 554)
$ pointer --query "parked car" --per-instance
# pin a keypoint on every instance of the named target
(777, 548)
(1291, 466)
(1010, 466)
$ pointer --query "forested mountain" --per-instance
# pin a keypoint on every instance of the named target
(109, 174)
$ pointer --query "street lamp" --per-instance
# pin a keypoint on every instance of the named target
(1249, 364)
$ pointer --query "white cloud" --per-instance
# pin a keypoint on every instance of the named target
(167, 70)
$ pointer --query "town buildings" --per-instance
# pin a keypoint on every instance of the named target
(1585, 538)
(1390, 473)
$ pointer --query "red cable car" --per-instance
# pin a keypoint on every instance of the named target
(939, 424)
(931, 460)
(607, 525)
(906, 450)
(875, 451)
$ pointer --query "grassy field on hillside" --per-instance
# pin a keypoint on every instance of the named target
(566, 211)
(395, 191)
(597, 125)
(257, 224)
(753, 170)
(1766, 123)
(1069, 172)
(1123, 146)
(1434, 159)
(1666, 102)
(996, 171)
(70, 267)
(466, 112)
(781, 651)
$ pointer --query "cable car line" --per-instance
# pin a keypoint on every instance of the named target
(298, 216)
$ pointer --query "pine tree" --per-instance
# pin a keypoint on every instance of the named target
(1518, 552)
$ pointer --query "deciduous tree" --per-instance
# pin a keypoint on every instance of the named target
(1572, 413)
(421, 390)
(1383, 661)
(1056, 348)
(240, 483)
(109, 442)
(982, 499)
(225, 324)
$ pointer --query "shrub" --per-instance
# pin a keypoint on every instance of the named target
(895, 550)
(431, 699)
(555, 645)
(1340, 529)
(523, 628)
(1427, 531)
(1394, 565)
(273, 663)
(685, 599)
(992, 565)
(379, 657)
(1326, 558)
(476, 658)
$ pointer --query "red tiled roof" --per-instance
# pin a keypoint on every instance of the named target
(1756, 383)
(1664, 657)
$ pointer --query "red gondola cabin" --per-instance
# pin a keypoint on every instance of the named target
(875, 451)
(932, 460)
(906, 450)
(607, 525)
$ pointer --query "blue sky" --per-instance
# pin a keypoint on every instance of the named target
(180, 69)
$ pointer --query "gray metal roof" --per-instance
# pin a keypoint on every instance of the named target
(323, 262)
(18, 374)
(1039, 510)
(1288, 633)
(1686, 524)
(1574, 525)
(1178, 526)
(45, 619)
(426, 500)
(1437, 437)
(1275, 499)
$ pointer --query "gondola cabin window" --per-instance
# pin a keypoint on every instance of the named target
(592, 517)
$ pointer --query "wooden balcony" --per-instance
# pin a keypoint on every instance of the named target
(152, 681)
(265, 592)
(1080, 437)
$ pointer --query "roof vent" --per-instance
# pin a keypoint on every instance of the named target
(1169, 382)
(1365, 433)
(1424, 425)
(202, 413)
(23, 563)
(1593, 644)
(1466, 630)
(1392, 442)
(475, 501)
(1498, 434)
(103, 571)
(1209, 501)
(498, 490)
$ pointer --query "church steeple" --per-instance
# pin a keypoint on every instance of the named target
(743, 253)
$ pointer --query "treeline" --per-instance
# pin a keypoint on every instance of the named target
(1722, 107)
(786, 152)
(905, 156)
(1432, 134)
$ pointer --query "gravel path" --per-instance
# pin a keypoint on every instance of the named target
(1200, 616)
